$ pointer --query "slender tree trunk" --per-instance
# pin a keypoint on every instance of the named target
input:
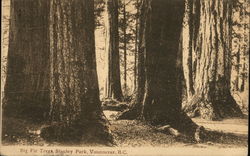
(212, 98)
(113, 82)
(125, 46)
(187, 48)
(242, 86)
(27, 81)
(136, 45)
(237, 69)
(75, 112)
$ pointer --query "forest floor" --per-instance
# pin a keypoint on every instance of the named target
(131, 133)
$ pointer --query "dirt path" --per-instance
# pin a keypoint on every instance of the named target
(236, 125)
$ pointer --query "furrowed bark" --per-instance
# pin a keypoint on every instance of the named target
(75, 112)
(212, 98)
(163, 67)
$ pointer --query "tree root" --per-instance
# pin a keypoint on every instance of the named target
(78, 132)
(198, 137)
(212, 110)
(130, 114)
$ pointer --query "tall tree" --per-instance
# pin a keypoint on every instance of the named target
(125, 44)
(160, 41)
(189, 33)
(27, 80)
(137, 4)
(207, 47)
(75, 112)
(113, 82)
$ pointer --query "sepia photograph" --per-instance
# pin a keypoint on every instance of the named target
(124, 77)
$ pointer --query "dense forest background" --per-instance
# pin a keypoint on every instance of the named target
(148, 65)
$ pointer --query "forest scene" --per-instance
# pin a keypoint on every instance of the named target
(125, 73)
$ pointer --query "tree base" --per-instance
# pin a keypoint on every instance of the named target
(178, 121)
(197, 133)
(117, 107)
(79, 132)
(212, 110)
(130, 114)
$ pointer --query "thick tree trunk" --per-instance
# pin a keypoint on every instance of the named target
(161, 39)
(211, 67)
(27, 80)
(113, 82)
(75, 112)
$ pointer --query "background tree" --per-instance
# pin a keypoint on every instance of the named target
(136, 103)
(125, 44)
(76, 113)
(26, 90)
(207, 47)
(137, 5)
(240, 53)
(126, 27)
(113, 83)
(240, 41)
(99, 8)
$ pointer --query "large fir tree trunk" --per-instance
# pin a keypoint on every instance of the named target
(27, 80)
(113, 82)
(76, 113)
(163, 67)
(211, 47)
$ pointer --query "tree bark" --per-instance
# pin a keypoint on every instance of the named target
(76, 113)
(113, 82)
(27, 82)
(211, 64)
